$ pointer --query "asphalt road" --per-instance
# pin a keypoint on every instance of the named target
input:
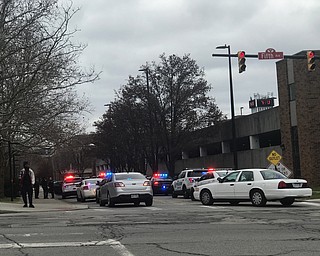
(171, 227)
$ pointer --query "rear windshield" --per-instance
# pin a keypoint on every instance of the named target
(197, 173)
(272, 175)
(129, 176)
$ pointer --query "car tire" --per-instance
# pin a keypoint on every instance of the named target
(83, 199)
(110, 202)
(174, 195)
(257, 198)
(63, 196)
(287, 201)
(185, 193)
(102, 203)
(149, 202)
(206, 197)
(78, 199)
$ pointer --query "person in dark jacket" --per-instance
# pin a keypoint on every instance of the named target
(51, 188)
(27, 180)
(36, 188)
(44, 185)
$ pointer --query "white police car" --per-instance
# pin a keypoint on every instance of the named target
(185, 180)
(70, 185)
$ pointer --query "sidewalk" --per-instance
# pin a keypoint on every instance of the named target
(41, 205)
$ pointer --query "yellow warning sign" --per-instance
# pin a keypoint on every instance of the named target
(274, 157)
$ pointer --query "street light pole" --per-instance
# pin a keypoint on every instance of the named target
(146, 70)
(234, 143)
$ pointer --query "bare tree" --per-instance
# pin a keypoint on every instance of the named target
(172, 101)
(38, 74)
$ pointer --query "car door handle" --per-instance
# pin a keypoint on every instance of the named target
(231, 184)
(249, 184)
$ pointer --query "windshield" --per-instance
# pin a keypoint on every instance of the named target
(272, 175)
(222, 173)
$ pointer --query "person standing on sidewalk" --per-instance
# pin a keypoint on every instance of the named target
(51, 188)
(27, 180)
(36, 188)
(44, 185)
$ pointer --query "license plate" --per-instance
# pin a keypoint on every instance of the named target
(297, 185)
(134, 196)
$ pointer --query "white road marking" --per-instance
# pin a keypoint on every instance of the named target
(153, 208)
(310, 203)
(213, 207)
(116, 245)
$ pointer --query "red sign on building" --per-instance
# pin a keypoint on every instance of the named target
(265, 102)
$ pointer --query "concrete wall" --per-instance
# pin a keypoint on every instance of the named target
(246, 126)
(246, 159)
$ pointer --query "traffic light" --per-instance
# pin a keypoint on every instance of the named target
(310, 59)
(242, 61)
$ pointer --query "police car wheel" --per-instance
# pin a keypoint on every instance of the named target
(174, 195)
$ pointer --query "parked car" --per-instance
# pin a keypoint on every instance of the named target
(211, 176)
(255, 185)
(87, 189)
(183, 183)
(126, 187)
(161, 183)
(69, 186)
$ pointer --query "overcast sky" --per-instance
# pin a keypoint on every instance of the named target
(122, 35)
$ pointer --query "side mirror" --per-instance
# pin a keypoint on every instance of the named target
(220, 179)
(98, 183)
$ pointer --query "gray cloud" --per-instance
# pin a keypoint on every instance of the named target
(122, 35)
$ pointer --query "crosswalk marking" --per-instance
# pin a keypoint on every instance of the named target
(116, 245)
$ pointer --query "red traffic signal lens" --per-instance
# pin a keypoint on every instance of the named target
(241, 54)
(311, 54)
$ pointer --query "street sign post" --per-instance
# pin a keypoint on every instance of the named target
(274, 158)
(280, 167)
(270, 54)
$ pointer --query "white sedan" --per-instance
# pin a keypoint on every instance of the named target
(255, 185)
(87, 189)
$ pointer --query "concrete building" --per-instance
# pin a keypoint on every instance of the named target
(291, 129)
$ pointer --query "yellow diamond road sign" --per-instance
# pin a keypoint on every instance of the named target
(274, 157)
